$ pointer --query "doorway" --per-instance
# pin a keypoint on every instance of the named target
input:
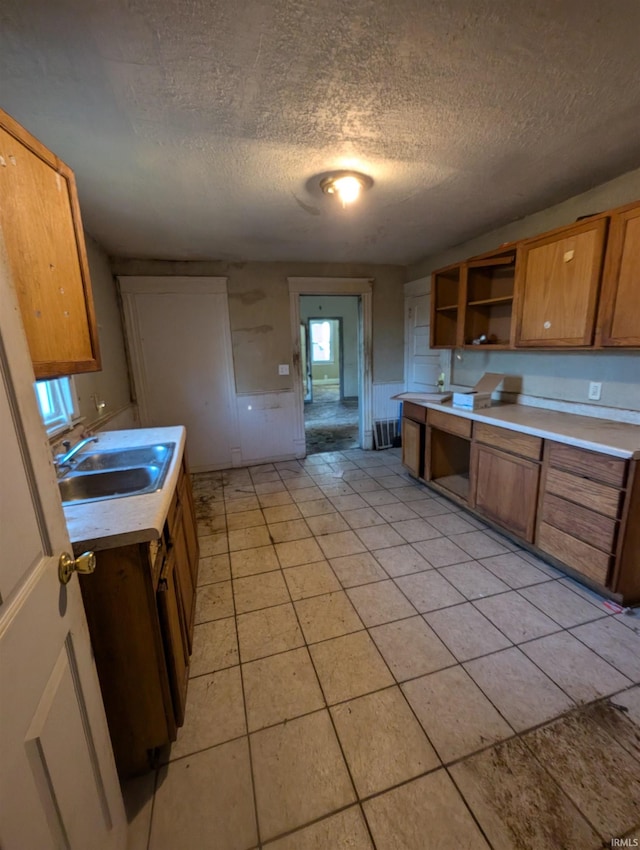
(322, 299)
(329, 343)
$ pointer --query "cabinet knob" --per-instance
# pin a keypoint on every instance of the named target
(67, 565)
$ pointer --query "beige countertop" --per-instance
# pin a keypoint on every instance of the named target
(129, 519)
(586, 432)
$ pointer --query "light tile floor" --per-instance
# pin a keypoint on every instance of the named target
(375, 668)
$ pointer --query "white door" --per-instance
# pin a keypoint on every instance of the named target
(180, 344)
(58, 783)
(422, 364)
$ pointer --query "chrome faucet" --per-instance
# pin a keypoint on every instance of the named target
(63, 460)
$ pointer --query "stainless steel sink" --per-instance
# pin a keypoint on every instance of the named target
(115, 473)
(159, 453)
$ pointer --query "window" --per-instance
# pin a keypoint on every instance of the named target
(321, 342)
(57, 403)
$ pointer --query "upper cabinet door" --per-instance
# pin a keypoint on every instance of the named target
(44, 240)
(557, 283)
(619, 318)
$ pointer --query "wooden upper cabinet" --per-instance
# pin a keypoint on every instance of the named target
(557, 284)
(447, 300)
(43, 236)
(619, 318)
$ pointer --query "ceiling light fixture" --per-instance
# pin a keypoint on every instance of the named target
(347, 185)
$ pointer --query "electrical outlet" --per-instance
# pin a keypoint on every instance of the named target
(283, 369)
(595, 390)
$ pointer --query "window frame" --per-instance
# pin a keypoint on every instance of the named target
(57, 403)
(330, 343)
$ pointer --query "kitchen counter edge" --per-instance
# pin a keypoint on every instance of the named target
(128, 519)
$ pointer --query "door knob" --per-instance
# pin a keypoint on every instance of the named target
(67, 565)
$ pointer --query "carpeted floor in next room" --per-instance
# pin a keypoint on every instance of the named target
(374, 669)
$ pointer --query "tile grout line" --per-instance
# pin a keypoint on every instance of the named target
(327, 709)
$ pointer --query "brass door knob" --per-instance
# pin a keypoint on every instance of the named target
(67, 565)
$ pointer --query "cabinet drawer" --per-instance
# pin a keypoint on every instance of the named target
(512, 441)
(584, 558)
(601, 467)
(592, 528)
(598, 497)
(450, 422)
(415, 412)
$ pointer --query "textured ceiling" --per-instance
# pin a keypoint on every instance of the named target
(195, 127)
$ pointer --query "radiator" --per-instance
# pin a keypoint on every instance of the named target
(385, 432)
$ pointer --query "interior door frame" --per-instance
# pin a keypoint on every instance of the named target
(363, 287)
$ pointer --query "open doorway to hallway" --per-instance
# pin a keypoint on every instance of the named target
(330, 352)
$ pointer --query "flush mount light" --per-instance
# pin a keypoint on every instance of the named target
(347, 185)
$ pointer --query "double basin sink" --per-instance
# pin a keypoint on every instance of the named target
(114, 473)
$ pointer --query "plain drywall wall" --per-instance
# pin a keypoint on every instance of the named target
(260, 320)
(560, 375)
(346, 308)
(111, 384)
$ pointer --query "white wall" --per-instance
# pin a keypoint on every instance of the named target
(561, 375)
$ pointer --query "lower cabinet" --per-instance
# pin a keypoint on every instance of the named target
(580, 509)
(506, 489)
(448, 453)
(140, 604)
(413, 419)
(581, 503)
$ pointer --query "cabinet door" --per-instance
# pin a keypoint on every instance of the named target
(506, 489)
(557, 282)
(412, 446)
(169, 610)
(189, 522)
(184, 577)
(620, 299)
(40, 220)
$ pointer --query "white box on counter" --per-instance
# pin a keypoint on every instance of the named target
(480, 396)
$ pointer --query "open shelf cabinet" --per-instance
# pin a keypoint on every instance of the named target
(489, 300)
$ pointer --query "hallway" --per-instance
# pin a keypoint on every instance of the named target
(330, 424)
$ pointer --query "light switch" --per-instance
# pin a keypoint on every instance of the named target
(283, 369)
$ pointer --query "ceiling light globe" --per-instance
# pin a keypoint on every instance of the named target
(348, 189)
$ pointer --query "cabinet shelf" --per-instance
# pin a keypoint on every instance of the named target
(447, 308)
(486, 302)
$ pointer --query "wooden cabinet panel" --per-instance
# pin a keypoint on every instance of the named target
(582, 491)
(557, 284)
(450, 422)
(511, 441)
(620, 298)
(170, 607)
(593, 528)
(447, 296)
(582, 557)
(600, 467)
(121, 610)
(40, 220)
(412, 446)
(505, 488)
(416, 412)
